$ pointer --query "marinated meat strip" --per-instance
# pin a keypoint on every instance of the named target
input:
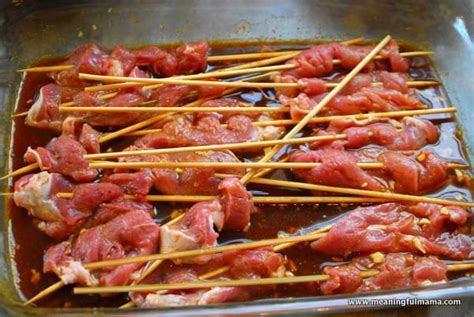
(207, 129)
(310, 86)
(187, 181)
(231, 211)
(204, 131)
(171, 95)
(138, 184)
(44, 112)
(410, 134)
(91, 204)
(129, 97)
(194, 230)
(420, 173)
(237, 204)
(256, 263)
(60, 217)
(317, 61)
(391, 227)
(87, 136)
(63, 155)
(367, 99)
(389, 80)
(317, 86)
(396, 271)
(338, 168)
(412, 175)
(128, 235)
(192, 58)
(88, 58)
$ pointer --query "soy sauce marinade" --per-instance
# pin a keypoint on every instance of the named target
(29, 244)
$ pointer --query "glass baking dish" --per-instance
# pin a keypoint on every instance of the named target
(30, 29)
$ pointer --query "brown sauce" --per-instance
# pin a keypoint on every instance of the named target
(30, 244)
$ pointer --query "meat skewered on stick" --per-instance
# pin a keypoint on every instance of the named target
(224, 283)
(248, 56)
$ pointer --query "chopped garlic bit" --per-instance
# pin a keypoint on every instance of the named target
(459, 175)
(426, 283)
(444, 211)
(462, 177)
(424, 221)
(417, 243)
(377, 257)
(80, 34)
(421, 157)
(377, 227)
(391, 184)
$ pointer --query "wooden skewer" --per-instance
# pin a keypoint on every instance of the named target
(218, 74)
(214, 74)
(248, 56)
(285, 165)
(139, 165)
(390, 114)
(227, 84)
(21, 171)
(41, 69)
(303, 122)
(362, 192)
(171, 81)
(20, 114)
(208, 284)
(460, 267)
(174, 109)
(214, 147)
(51, 289)
(256, 199)
(204, 251)
(230, 73)
(221, 283)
